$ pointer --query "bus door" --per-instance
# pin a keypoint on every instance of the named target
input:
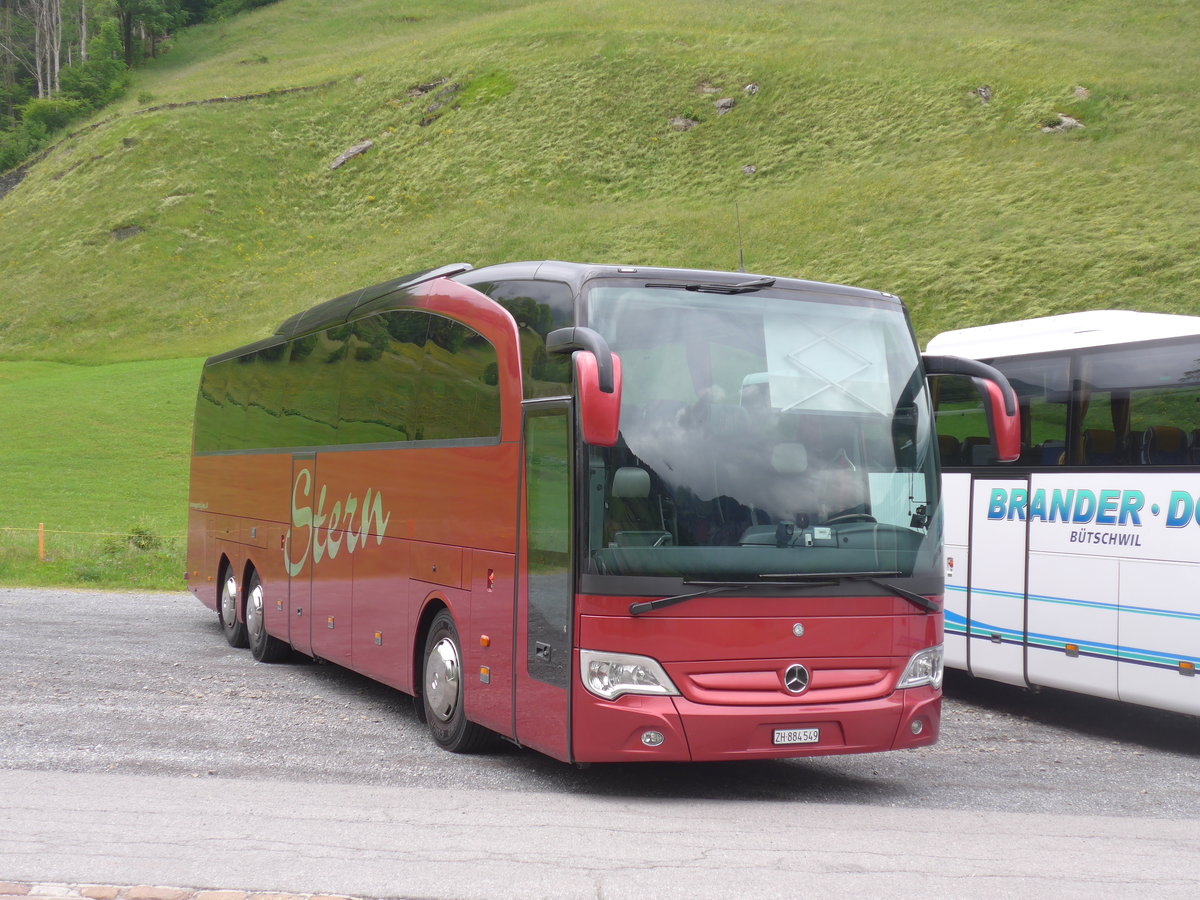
(956, 502)
(298, 552)
(1075, 589)
(545, 597)
(996, 594)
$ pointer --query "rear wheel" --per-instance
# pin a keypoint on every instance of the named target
(264, 647)
(442, 690)
(227, 611)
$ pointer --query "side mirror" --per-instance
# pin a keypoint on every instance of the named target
(597, 382)
(999, 400)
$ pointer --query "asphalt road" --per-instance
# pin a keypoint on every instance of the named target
(137, 746)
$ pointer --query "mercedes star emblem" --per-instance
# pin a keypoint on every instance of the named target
(795, 679)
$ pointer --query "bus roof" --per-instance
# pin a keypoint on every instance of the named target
(343, 308)
(1070, 331)
(339, 309)
(575, 274)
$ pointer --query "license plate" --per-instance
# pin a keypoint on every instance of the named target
(797, 735)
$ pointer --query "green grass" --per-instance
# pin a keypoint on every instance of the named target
(98, 456)
(875, 165)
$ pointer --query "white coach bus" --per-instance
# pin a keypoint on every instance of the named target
(1078, 566)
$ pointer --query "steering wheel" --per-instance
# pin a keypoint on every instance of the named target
(850, 517)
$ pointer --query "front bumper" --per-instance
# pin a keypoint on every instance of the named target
(611, 731)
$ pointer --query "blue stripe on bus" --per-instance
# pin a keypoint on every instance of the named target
(956, 624)
(1090, 604)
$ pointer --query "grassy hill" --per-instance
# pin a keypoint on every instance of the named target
(175, 228)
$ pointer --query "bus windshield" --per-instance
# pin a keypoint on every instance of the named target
(766, 433)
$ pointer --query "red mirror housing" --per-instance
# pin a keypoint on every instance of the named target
(599, 410)
(1005, 427)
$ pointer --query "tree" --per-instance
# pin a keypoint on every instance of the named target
(151, 17)
(100, 75)
(31, 35)
(100, 41)
(8, 60)
(83, 31)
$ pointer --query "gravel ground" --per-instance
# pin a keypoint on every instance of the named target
(141, 683)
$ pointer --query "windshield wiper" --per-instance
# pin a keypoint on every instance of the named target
(715, 287)
(915, 599)
(874, 578)
(719, 587)
(797, 579)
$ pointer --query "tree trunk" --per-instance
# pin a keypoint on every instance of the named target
(126, 20)
(8, 62)
(39, 49)
(46, 18)
(55, 37)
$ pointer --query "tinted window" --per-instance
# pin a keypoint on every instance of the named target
(238, 403)
(459, 393)
(382, 376)
(311, 382)
(261, 379)
(212, 405)
(1120, 406)
(539, 307)
(548, 493)
(405, 375)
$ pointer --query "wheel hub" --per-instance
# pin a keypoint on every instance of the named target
(254, 611)
(229, 603)
(442, 679)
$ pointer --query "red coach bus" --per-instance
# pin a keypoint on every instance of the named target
(608, 513)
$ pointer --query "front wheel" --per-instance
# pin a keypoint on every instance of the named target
(442, 690)
(264, 647)
(227, 612)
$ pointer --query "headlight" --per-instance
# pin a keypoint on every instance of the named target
(925, 667)
(609, 675)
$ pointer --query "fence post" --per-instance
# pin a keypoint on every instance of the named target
(41, 542)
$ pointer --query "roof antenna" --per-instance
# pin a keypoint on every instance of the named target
(741, 248)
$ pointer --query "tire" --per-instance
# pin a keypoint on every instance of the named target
(442, 684)
(227, 611)
(263, 646)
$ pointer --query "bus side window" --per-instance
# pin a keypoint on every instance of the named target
(548, 536)
(460, 393)
(539, 307)
(381, 378)
(238, 407)
(1047, 431)
(1150, 399)
(310, 384)
(414, 376)
(213, 408)
(960, 419)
